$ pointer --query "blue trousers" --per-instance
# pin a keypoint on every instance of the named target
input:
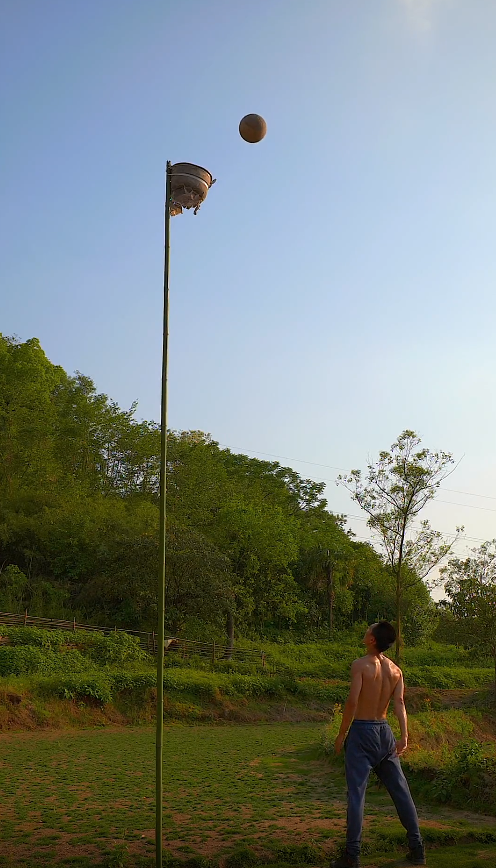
(370, 744)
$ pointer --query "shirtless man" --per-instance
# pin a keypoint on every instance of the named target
(370, 743)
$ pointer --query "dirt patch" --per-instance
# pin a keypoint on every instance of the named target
(303, 824)
(59, 850)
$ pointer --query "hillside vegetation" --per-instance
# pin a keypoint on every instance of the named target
(253, 550)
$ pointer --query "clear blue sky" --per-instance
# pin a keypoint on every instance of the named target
(339, 283)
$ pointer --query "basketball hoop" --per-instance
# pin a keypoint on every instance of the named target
(189, 187)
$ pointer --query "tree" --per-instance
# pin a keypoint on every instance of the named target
(323, 568)
(470, 585)
(371, 585)
(12, 586)
(259, 540)
(396, 489)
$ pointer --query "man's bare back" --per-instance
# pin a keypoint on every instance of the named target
(380, 677)
(375, 680)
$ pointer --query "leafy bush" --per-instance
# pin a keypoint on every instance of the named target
(114, 648)
(35, 637)
(467, 778)
(30, 660)
(118, 647)
(132, 682)
(95, 687)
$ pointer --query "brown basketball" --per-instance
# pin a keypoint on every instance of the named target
(252, 128)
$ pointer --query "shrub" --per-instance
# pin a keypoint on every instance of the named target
(35, 637)
(81, 687)
(30, 660)
(131, 681)
(118, 647)
(113, 648)
(469, 777)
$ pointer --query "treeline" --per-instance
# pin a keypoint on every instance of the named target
(252, 547)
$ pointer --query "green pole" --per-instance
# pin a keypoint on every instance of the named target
(162, 543)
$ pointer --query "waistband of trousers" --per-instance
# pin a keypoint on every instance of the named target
(381, 722)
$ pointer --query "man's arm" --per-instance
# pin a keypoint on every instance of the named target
(351, 704)
(400, 712)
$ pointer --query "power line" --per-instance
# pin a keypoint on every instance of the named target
(284, 457)
(470, 493)
(361, 518)
(466, 505)
(345, 470)
(415, 524)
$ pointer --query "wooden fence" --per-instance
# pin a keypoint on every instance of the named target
(183, 647)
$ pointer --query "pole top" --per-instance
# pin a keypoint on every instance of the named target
(189, 185)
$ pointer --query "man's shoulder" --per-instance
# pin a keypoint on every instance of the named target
(359, 663)
(394, 668)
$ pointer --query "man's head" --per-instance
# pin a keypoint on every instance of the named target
(379, 637)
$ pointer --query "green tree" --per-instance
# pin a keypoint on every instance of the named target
(260, 542)
(12, 588)
(396, 489)
(323, 567)
(371, 584)
(28, 420)
(470, 585)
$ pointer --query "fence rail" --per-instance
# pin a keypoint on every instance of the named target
(173, 644)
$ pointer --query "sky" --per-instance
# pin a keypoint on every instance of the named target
(337, 285)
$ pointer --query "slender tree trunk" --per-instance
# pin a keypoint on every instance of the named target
(230, 634)
(397, 653)
(399, 589)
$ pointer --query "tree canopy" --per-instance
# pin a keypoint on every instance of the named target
(470, 585)
(250, 543)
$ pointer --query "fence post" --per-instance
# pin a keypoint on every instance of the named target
(153, 641)
(25, 617)
(213, 652)
(263, 659)
(74, 624)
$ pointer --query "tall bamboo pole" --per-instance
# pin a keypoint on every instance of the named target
(162, 538)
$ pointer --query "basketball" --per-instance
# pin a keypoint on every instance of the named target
(252, 128)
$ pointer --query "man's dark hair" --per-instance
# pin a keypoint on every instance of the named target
(384, 635)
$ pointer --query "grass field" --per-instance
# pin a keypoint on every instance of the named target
(251, 778)
(231, 793)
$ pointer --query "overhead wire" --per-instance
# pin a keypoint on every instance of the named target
(443, 532)
(345, 470)
(362, 518)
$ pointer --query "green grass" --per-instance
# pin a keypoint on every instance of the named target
(265, 790)
(244, 794)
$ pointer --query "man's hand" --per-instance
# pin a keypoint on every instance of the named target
(401, 746)
(338, 744)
